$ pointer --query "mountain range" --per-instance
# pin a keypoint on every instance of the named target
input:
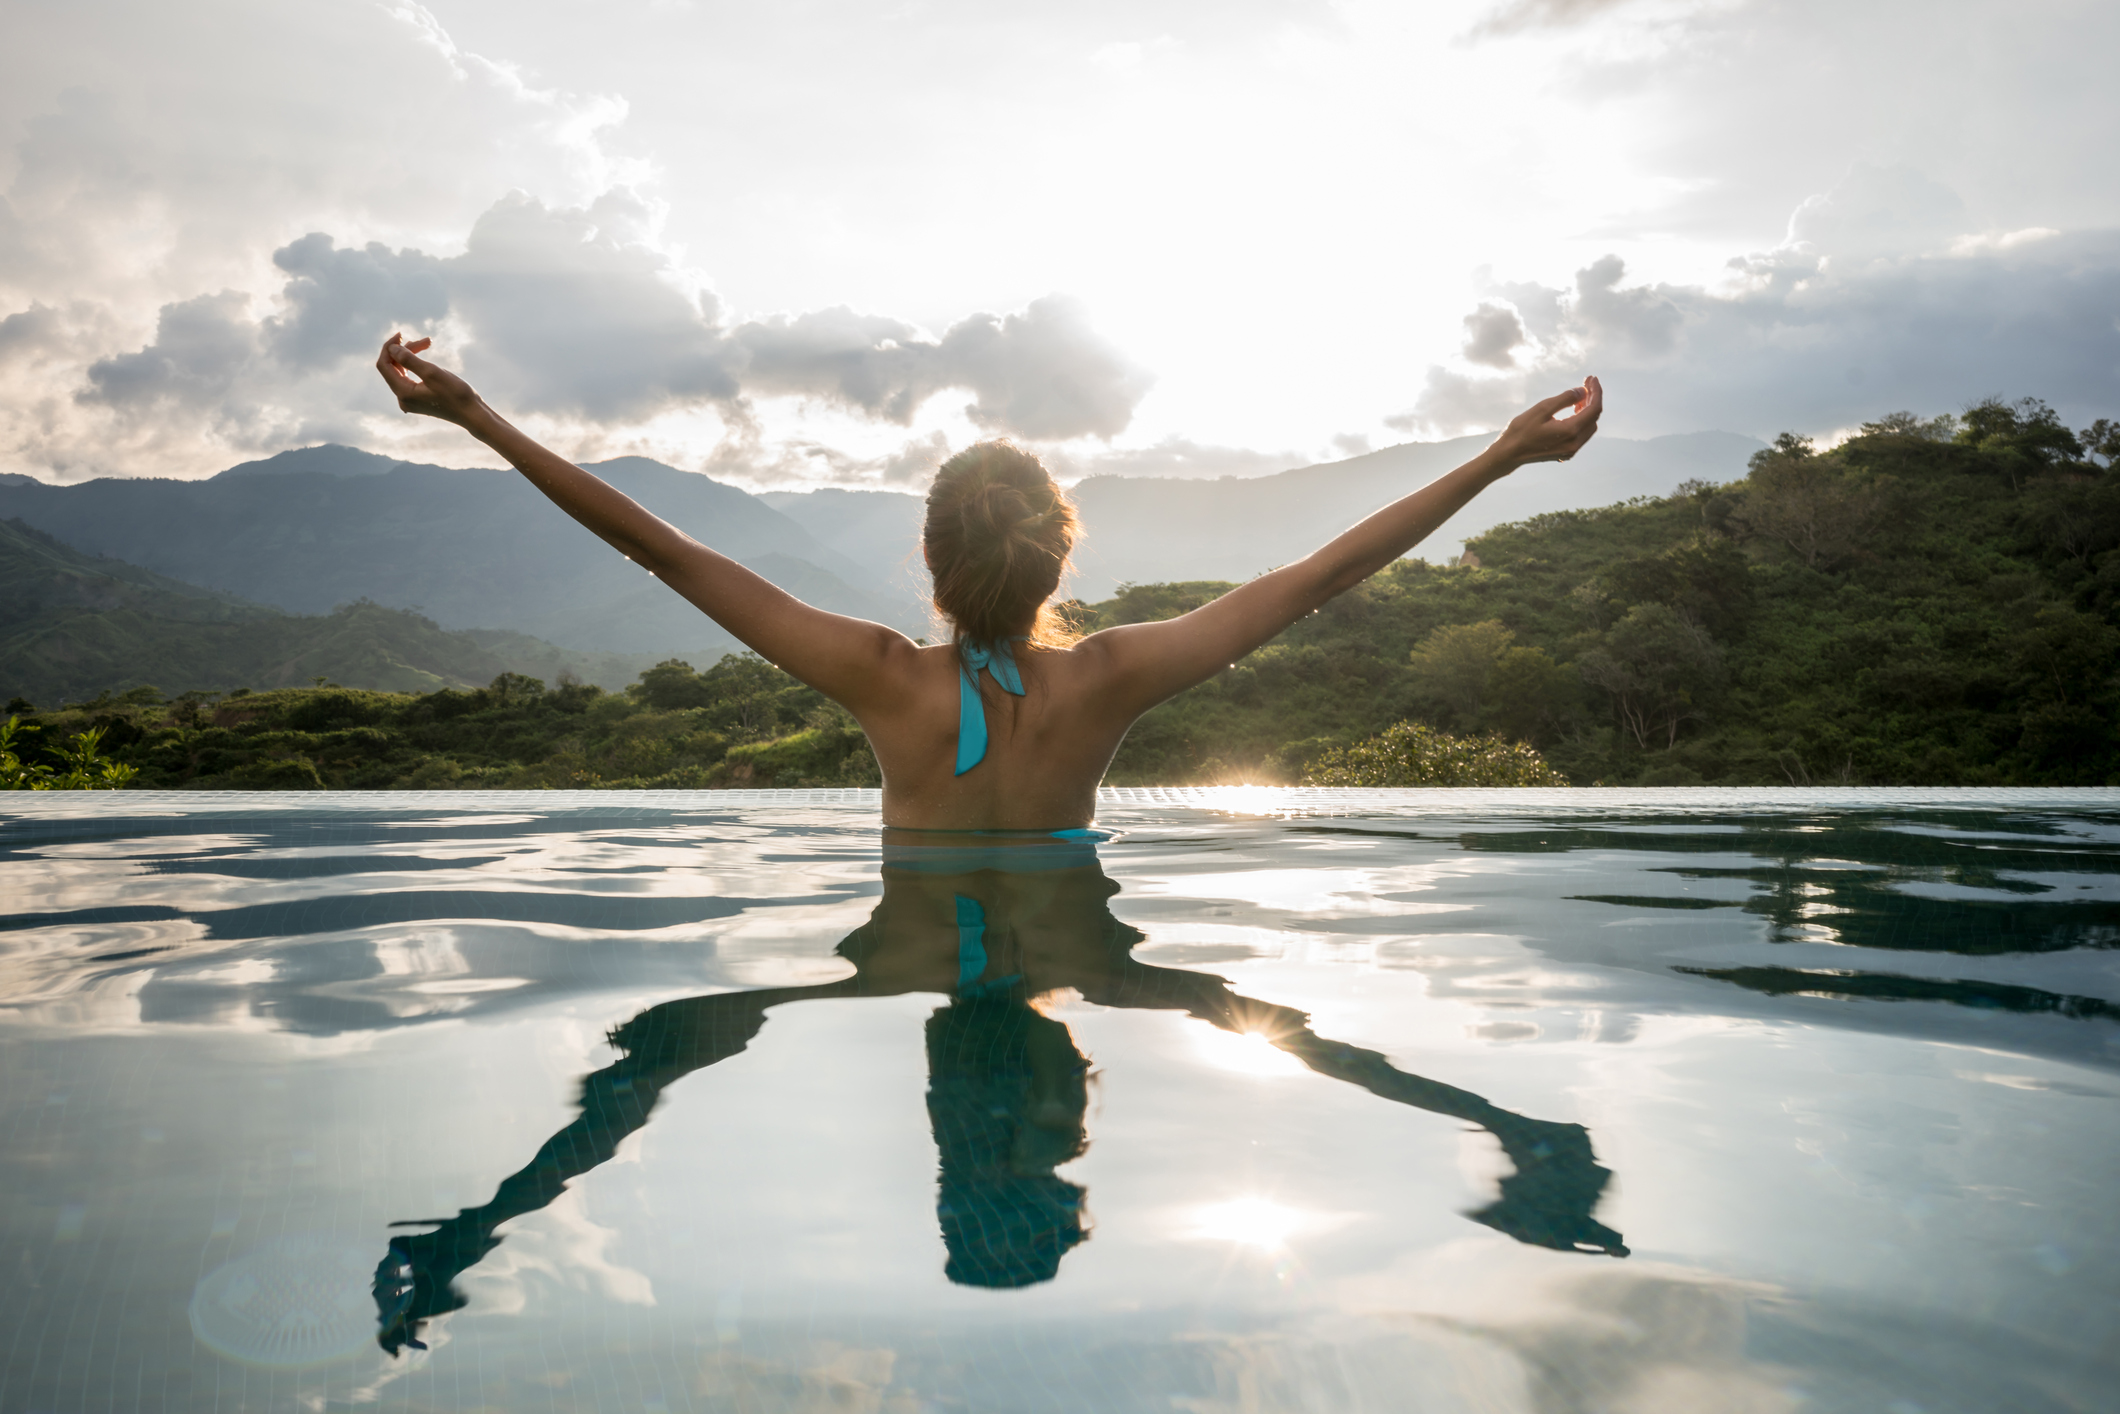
(74, 625)
(307, 532)
(1147, 530)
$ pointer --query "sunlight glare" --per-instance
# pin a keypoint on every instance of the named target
(1248, 800)
(1250, 1222)
(1246, 1054)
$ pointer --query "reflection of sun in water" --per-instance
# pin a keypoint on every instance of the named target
(1250, 1222)
(1248, 1054)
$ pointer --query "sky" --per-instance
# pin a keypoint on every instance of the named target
(826, 243)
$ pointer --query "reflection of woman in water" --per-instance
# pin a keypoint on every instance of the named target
(1006, 727)
(998, 925)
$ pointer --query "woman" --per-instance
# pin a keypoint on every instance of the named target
(1006, 730)
(1009, 726)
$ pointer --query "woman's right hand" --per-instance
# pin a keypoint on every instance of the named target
(426, 388)
(1541, 434)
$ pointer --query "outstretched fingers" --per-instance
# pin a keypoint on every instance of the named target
(423, 387)
(1542, 434)
(1568, 435)
(1550, 408)
(392, 362)
(408, 354)
(1584, 423)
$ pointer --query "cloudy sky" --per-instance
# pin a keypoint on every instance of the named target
(821, 241)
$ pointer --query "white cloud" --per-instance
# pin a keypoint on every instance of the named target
(1879, 211)
(200, 347)
(165, 338)
(1493, 333)
(337, 297)
(579, 312)
(1824, 331)
(1255, 197)
(1176, 457)
(1518, 16)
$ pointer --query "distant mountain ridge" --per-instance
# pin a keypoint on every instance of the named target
(310, 530)
(1146, 530)
(40, 574)
(74, 625)
(307, 531)
(1143, 530)
(329, 459)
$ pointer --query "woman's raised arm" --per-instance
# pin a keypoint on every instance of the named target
(1151, 662)
(845, 658)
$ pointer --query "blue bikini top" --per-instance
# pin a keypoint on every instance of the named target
(998, 660)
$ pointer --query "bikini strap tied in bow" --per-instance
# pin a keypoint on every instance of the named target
(998, 660)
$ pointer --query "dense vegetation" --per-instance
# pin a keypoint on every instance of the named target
(77, 764)
(1931, 602)
(742, 722)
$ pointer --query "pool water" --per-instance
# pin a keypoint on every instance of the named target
(1276, 1100)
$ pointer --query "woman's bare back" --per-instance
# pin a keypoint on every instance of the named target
(1046, 750)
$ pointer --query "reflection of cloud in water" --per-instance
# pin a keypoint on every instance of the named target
(827, 1376)
(1195, 944)
(1296, 890)
(1644, 1342)
(560, 1243)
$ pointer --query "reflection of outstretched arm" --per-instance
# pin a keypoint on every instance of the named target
(1548, 1201)
(662, 1045)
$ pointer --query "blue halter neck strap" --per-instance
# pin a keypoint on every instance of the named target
(998, 660)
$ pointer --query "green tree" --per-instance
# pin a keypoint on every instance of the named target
(2019, 439)
(2072, 517)
(672, 686)
(2102, 439)
(1704, 577)
(1660, 670)
(1905, 424)
(1453, 666)
(1809, 503)
(1478, 676)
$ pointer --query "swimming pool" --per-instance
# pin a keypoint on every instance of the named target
(1512, 1100)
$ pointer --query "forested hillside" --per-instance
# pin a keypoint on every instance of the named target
(1932, 602)
(1929, 603)
(73, 625)
(310, 530)
(741, 722)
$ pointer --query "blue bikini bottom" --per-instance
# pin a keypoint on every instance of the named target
(970, 851)
(1005, 851)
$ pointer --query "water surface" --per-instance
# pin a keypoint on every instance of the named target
(1553, 1101)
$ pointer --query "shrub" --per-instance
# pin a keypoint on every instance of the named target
(1413, 754)
(81, 766)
